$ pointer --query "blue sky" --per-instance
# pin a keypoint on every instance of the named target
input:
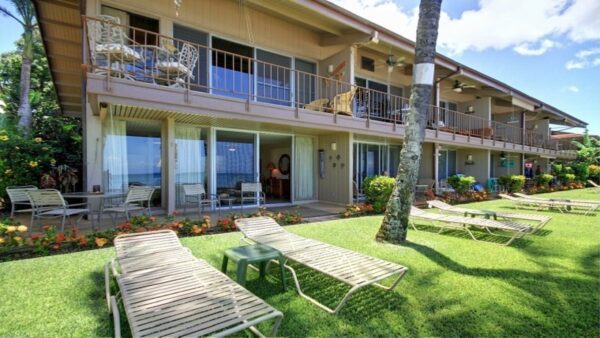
(549, 49)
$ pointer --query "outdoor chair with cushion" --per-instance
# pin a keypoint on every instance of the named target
(463, 223)
(349, 267)
(136, 197)
(49, 203)
(318, 105)
(167, 292)
(342, 103)
(18, 197)
(252, 192)
(178, 68)
(539, 220)
(196, 195)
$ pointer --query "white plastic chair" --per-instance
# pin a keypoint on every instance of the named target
(18, 196)
(196, 194)
(257, 194)
(49, 203)
(134, 201)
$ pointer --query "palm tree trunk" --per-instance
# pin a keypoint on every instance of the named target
(25, 118)
(395, 222)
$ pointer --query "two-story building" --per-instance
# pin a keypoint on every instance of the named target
(303, 96)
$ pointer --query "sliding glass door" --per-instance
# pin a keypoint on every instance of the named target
(235, 161)
(191, 159)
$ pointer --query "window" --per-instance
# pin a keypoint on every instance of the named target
(374, 159)
(232, 69)
(367, 63)
(377, 101)
(306, 81)
(138, 24)
(447, 110)
(273, 78)
(200, 80)
(446, 164)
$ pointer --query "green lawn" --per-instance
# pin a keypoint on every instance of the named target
(543, 285)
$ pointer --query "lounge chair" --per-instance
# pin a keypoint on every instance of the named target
(539, 220)
(594, 184)
(166, 291)
(349, 267)
(560, 205)
(537, 198)
(463, 223)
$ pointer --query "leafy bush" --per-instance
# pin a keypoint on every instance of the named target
(594, 171)
(567, 178)
(461, 183)
(544, 179)
(378, 190)
(512, 183)
(581, 171)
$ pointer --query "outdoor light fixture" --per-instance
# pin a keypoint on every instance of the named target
(502, 156)
(333, 146)
(470, 110)
(469, 160)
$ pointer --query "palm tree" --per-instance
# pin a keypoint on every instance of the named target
(588, 150)
(26, 17)
(395, 222)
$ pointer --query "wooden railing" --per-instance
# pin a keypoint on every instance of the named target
(167, 61)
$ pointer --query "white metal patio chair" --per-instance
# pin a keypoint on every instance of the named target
(252, 192)
(179, 68)
(109, 43)
(196, 194)
(168, 292)
(134, 201)
(18, 196)
(346, 266)
(49, 203)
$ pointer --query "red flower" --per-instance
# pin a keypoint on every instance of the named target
(60, 237)
(35, 237)
(46, 227)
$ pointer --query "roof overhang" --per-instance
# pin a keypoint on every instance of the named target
(62, 35)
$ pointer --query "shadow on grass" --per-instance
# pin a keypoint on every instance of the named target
(567, 304)
(100, 309)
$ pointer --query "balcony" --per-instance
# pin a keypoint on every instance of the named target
(132, 54)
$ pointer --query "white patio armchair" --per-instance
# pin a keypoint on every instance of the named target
(196, 194)
(18, 196)
(177, 68)
(109, 41)
(252, 192)
(49, 203)
(134, 201)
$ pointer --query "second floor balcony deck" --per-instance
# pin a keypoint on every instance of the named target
(164, 61)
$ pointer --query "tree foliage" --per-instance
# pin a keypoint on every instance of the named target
(588, 150)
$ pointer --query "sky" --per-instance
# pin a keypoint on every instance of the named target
(549, 49)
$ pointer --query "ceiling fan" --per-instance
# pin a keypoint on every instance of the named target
(460, 86)
(392, 62)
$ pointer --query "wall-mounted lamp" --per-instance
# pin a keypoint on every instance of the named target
(469, 160)
(330, 69)
(333, 146)
(470, 110)
(502, 156)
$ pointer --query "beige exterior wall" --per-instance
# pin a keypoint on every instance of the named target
(335, 186)
(479, 169)
(397, 78)
(499, 170)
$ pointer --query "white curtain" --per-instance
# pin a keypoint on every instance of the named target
(191, 160)
(114, 159)
(304, 175)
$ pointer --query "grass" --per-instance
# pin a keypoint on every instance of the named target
(543, 285)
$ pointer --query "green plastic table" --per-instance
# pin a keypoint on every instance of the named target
(486, 213)
(252, 254)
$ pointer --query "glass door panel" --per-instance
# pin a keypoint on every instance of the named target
(232, 69)
(235, 161)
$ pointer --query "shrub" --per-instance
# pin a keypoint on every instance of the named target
(581, 171)
(378, 190)
(461, 183)
(512, 183)
(567, 178)
(356, 210)
(544, 180)
(594, 171)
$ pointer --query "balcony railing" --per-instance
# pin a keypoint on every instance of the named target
(166, 61)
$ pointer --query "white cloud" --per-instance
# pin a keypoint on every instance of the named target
(573, 89)
(529, 49)
(584, 59)
(495, 24)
